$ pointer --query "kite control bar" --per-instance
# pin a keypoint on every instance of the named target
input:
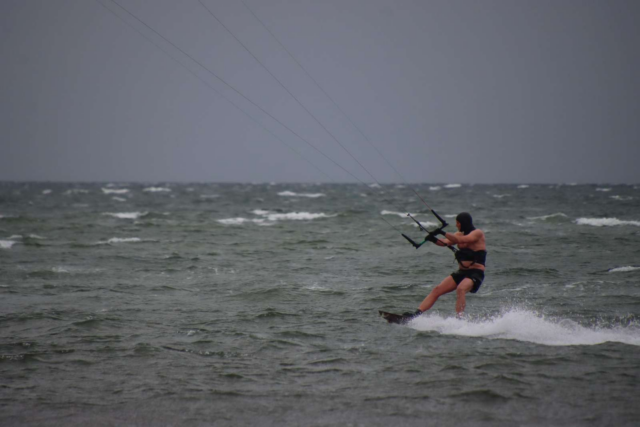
(431, 235)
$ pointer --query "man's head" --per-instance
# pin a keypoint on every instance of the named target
(464, 222)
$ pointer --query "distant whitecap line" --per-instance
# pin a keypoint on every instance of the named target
(115, 190)
(157, 190)
(453, 186)
(292, 194)
(621, 198)
(603, 189)
(435, 188)
(269, 218)
(500, 196)
(126, 215)
(605, 222)
(374, 185)
(546, 217)
(528, 326)
(118, 199)
(523, 186)
(47, 191)
(624, 269)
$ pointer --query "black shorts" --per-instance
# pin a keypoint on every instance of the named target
(474, 274)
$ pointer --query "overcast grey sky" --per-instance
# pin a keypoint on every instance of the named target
(473, 91)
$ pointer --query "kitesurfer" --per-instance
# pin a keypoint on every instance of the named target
(471, 257)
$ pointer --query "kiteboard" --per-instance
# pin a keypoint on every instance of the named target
(395, 318)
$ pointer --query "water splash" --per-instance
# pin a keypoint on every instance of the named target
(528, 326)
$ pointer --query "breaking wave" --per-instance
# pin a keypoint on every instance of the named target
(126, 215)
(623, 269)
(292, 194)
(157, 190)
(605, 222)
(115, 190)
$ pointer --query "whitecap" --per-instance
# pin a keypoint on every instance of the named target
(292, 194)
(605, 222)
(453, 186)
(297, 216)
(47, 191)
(157, 189)
(603, 189)
(115, 190)
(15, 237)
(435, 188)
(624, 269)
(546, 217)
(6, 244)
(259, 212)
(124, 240)
(374, 185)
(118, 199)
(400, 214)
(126, 215)
(523, 186)
(35, 236)
(527, 326)
(239, 221)
(500, 196)
(621, 198)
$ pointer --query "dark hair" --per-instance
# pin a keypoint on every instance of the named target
(466, 222)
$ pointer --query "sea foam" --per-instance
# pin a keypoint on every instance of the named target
(605, 222)
(453, 186)
(157, 190)
(6, 244)
(524, 325)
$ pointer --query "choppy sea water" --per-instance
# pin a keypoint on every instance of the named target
(238, 304)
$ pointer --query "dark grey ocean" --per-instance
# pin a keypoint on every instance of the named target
(130, 304)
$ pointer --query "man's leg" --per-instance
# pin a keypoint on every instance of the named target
(446, 286)
(465, 286)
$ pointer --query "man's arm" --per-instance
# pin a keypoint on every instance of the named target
(457, 238)
(438, 242)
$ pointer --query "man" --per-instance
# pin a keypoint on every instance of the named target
(471, 257)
